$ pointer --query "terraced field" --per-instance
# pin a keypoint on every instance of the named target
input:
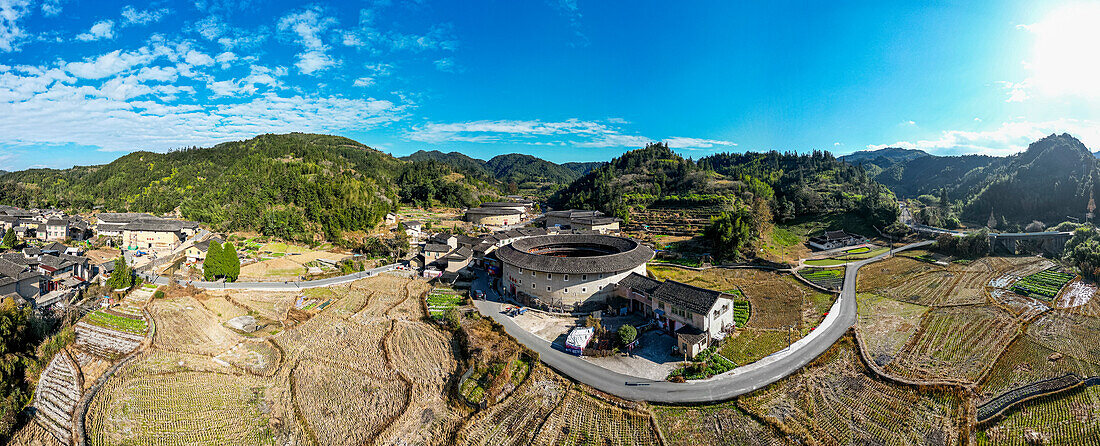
(836, 401)
(955, 344)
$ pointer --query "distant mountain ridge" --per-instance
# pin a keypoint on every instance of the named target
(890, 154)
(1050, 181)
(521, 169)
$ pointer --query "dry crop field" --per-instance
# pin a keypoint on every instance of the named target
(955, 344)
(836, 401)
(885, 325)
(719, 424)
(1071, 418)
(918, 282)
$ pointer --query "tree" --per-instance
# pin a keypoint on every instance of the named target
(230, 263)
(9, 239)
(627, 334)
(211, 265)
(729, 232)
(122, 277)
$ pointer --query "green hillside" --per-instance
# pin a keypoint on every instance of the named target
(296, 186)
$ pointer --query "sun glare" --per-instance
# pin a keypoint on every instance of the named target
(1064, 58)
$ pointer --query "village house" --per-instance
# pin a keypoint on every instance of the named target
(836, 239)
(19, 279)
(57, 229)
(565, 218)
(197, 252)
(155, 234)
(699, 317)
(603, 225)
(110, 224)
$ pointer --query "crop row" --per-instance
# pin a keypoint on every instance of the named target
(121, 323)
(742, 309)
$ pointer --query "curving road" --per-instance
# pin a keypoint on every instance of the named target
(271, 286)
(736, 382)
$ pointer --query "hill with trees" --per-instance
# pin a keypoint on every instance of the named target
(296, 186)
(751, 189)
(1050, 181)
(513, 171)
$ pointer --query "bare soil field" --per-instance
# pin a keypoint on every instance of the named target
(835, 401)
(885, 325)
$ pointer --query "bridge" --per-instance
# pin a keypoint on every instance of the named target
(1051, 242)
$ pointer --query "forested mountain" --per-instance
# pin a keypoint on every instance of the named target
(888, 155)
(1049, 181)
(296, 186)
(523, 171)
(754, 188)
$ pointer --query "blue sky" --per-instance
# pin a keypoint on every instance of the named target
(567, 80)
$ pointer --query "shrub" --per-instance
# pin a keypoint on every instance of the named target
(627, 334)
(159, 294)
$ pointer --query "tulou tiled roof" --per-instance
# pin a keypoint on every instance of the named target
(625, 254)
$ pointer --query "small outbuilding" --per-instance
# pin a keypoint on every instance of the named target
(578, 339)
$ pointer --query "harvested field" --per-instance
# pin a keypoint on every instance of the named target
(183, 324)
(1077, 294)
(1067, 333)
(1071, 418)
(889, 272)
(914, 281)
(835, 401)
(253, 356)
(517, 419)
(32, 434)
(222, 308)
(583, 419)
(712, 425)
(955, 344)
(346, 408)
(776, 298)
(1023, 307)
(184, 408)
(885, 325)
(1025, 362)
(267, 304)
(280, 268)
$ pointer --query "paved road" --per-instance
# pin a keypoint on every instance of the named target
(731, 384)
(272, 286)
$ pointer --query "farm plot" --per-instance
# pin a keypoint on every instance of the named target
(267, 304)
(1026, 362)
(776, 298)
(836, 401)
(105, 342)
(184, 408)
(183, 324)
(327, 337)
(829, 278)
(1042, 285)
(582, 419)
(439, 300)
(1071, 418)
(516, 420)
(222, 308)
(750, 345)
(955, 344)
(719, 424)
(885, 325)
(1070, 334)
(889, 272)
(346, 408)
(742, 310)
(1077, 294)
(1023, 307)
(253, 356)
(56, 396)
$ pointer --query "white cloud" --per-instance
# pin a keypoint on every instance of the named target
(104, 29)
(572, 12)
(225, 59)
(1009, 138)
(307, 26)
(570, 132)
(132, 16)
(11, 35)
(109, 64)
(1017, 91)
(311, 62)
(364, 82)
(51, 8)
(446, 64)
(197, 58)
(211, 27)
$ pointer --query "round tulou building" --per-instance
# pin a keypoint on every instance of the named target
(567, 271)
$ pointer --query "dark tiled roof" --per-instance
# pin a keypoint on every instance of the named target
(502, 204)
(32, 251)
(574, 213)
(462, 253)
(57, 222)
(638, 282)
(492, 211)
(594, 220)
(436, 247)
(691, 334)
(121, 217)
(14, 270)
(694, 299)
(630, 254)
(56, 247)
(153, 225)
